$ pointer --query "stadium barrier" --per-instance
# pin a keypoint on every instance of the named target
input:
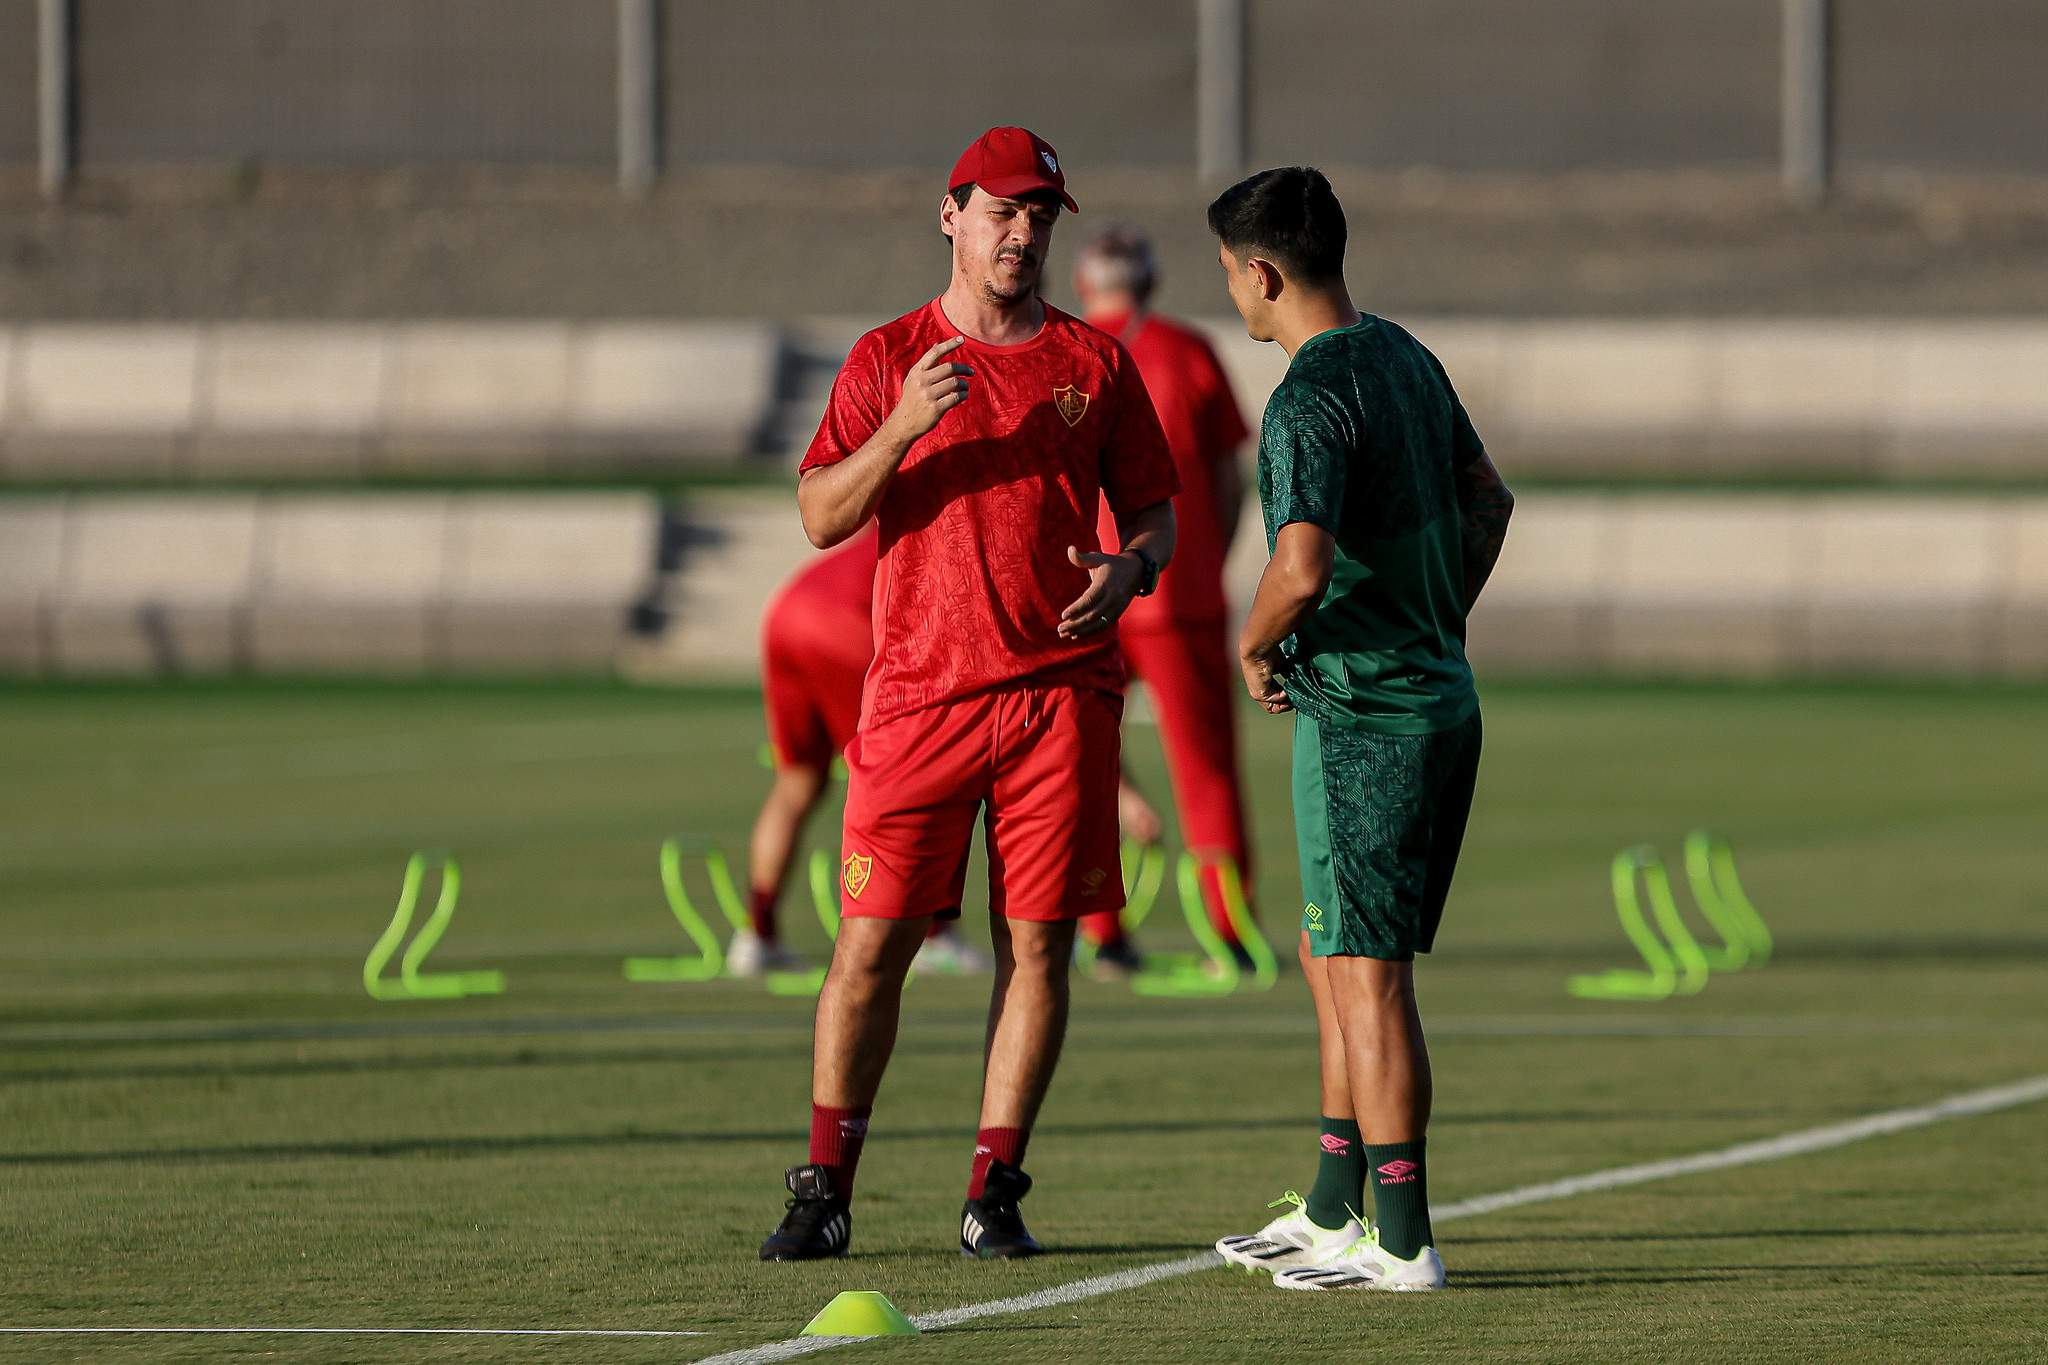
(1701, 399)
(1649, 584)
(217, 402)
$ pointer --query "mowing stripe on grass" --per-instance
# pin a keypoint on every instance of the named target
(1122, 1022)
(1965, 1105)
(338, 1332)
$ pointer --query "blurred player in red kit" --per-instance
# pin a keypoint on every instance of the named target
(982, 431)
(1177, 642)
(817, 640)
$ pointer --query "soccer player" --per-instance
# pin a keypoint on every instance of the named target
(980, 430)
(1177, 641)
(816, 643)
(1384, 518)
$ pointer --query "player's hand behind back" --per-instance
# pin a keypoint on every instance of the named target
(934, 386)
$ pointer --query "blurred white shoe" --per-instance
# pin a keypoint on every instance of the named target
(948, 954)
(751, 955)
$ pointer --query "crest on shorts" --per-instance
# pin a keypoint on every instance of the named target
(857, 870)
(1092, 880)
(1071, 402)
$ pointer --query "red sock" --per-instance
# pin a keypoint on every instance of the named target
(837, 1136)
(994, 1144)
(761, 912)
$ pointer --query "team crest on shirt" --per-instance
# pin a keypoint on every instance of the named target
(857, 871)
(1071, 402)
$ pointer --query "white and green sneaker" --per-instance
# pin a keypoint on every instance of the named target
(1292, 1239)
(1365, 1264)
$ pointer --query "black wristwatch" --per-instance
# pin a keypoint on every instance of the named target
(1148, 576)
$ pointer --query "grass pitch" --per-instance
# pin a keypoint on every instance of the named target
(204, 1122)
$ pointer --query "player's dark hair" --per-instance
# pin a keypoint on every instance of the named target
(1288, 215)
(961, 194)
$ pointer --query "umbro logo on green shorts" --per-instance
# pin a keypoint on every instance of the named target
(1312, 915)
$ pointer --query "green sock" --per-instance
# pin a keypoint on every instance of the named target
(1340, 1175)
(1400, 1196)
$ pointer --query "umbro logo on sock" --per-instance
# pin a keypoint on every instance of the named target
(1397, 1172)
(1337, 1146)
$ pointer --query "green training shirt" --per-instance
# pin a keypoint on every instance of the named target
(1362, 438)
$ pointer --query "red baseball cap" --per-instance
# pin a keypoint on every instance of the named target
(1010, 163)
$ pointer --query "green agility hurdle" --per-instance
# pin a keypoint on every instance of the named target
(414, 983)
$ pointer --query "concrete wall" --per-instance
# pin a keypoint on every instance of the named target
(823, 82)
(270, 400)
(303, 585)
(1948, 86)
(1753, 586)
(17, 81)
(1469, 84)
(1635, 585)
(1870, 400)
(1482, 85)
(1650, 585)
(370, 81)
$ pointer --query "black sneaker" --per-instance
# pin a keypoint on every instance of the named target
(991, 1229)
(1117, 960)
(818, 1226)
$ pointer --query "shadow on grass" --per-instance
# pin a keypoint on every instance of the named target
(1756, 1235)
(1487, 1279)
(484, 1145)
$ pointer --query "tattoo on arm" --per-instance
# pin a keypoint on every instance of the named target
(1484, 506)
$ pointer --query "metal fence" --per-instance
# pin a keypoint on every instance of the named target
(1205, 86)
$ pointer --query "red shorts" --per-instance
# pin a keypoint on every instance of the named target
(813, 705)
(1043, 760)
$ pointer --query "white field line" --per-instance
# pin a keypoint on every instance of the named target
(339, 1332)
(1965, 1105)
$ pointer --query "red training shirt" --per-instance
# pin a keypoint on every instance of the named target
(976, 523)
(819, 623)
(1203, 428)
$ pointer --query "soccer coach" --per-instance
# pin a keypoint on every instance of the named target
(980, 430)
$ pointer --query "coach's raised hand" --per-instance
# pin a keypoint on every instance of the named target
(837, 499)
(934, 386)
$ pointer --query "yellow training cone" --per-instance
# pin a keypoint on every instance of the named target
(860, 1313)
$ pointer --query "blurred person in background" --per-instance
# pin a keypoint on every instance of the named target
(1177, 641)
(817, 639)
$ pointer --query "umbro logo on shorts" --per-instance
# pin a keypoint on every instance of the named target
(1313, 913)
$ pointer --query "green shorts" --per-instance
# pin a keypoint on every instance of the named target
(1379, 819)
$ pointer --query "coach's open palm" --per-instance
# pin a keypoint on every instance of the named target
(933, 386)
(1112, 579)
